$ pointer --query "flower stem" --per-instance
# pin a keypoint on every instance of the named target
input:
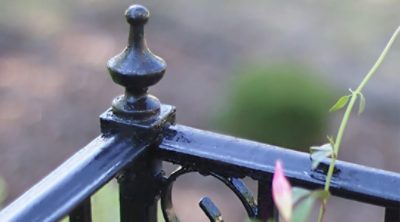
(346, 116)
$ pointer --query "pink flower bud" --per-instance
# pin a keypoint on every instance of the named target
(282, 192)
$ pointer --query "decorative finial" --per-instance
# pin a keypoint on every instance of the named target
(136, 68)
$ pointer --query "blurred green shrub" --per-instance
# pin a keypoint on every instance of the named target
(105, 204)
(3, 191)
(285, 105)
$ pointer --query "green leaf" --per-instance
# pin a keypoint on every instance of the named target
(361, 105)
(342, 101)
(320, 153)
(299, 193)
(302, 211)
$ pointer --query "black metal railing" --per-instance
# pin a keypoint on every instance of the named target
(138, 132)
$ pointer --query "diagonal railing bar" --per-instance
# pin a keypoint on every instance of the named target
(74, 181)
(232, 156)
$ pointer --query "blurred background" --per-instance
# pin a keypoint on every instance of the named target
(264, 70)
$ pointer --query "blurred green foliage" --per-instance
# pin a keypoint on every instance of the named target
(3, 191)
(105, 204)
(285, 105)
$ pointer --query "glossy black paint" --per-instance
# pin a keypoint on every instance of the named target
(237, 186)
(136, 68)
(138, 186)
(138, 115)
(229, 156)
(209, 208)
(74, 181)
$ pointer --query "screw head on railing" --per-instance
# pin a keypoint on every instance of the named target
(136, 68)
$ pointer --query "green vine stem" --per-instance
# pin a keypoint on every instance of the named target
(346, 116)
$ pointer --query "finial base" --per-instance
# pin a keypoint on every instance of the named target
(111, 123)
(136, 107)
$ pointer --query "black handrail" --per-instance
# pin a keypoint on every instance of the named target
(74, 181)
(211, 152)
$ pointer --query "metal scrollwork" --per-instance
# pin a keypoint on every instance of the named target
(209, 208)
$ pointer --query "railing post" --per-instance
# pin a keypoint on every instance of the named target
(138, 115)
(392, 214)
(139, 191)
(82, 213)
(264, 200)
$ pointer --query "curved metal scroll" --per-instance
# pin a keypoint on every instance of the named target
(209, 208)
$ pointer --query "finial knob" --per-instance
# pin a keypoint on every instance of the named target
(136, 68)
(137, 14)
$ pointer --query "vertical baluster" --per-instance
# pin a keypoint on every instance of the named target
(265, 202)
(392, 214)
(82, 213)
(138, 191)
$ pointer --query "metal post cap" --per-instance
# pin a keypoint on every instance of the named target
(136, 68)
